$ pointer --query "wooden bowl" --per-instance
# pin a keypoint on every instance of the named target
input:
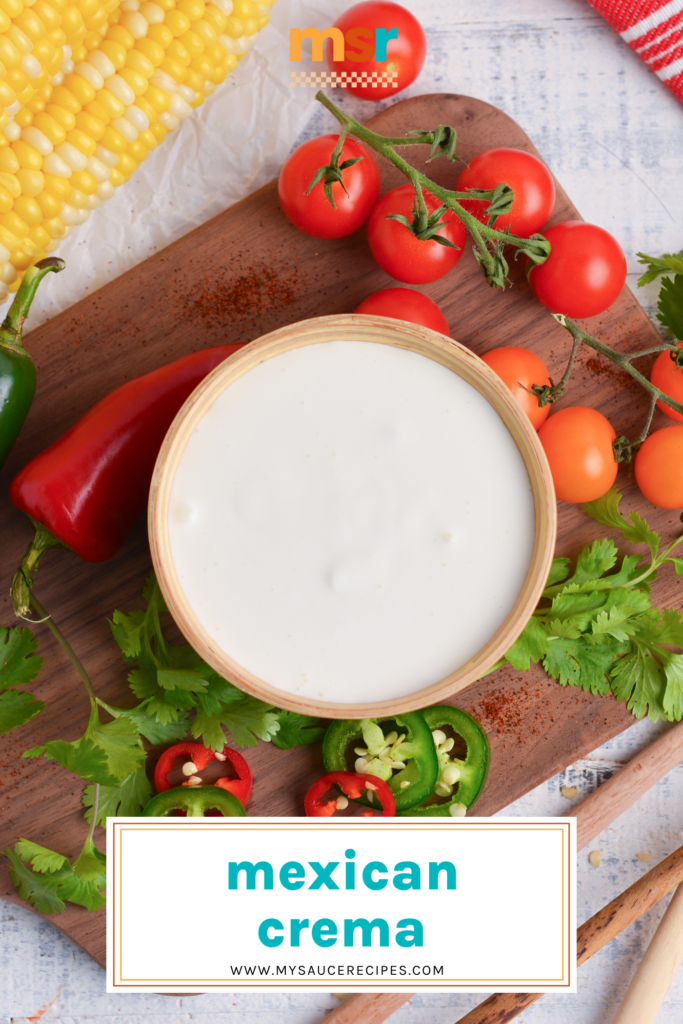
(379, 330)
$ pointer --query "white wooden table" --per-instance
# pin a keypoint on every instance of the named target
(614, 137)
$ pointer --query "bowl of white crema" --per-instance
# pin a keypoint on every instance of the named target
(351, 517)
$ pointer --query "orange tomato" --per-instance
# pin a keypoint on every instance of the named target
(667, 377)
(659, 467)
(578, 444)
(519, 369)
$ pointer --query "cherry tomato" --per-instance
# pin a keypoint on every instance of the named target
(584, 273)
(519, 369)
(659, 467)
(313, 213)
(404, 55)
(578, 445)
(399, 252)
(529, 179)
(668, 377)
(405, 304)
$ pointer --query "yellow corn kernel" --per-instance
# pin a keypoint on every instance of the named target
(48, 126)
(136, 61)
(175, 69)
(178, 22)
(137, 150)
(7, 94)
(55, 227)
(46, 53)
(160, 132)
(12, 222)
(65, 118)
(111, 103)
(88, 7)
(135, 80)
(121, 35)
(23, 117)
(126, 165)
(93, 127)
(215, 18)
(57, 187)
(81, 141)
(216, 54)
(9, 54)
(193, 43)
(218, 75)
(202, 65)
(29, 211)
(9, 239)
(115, 51)
(194, 81)
(19, 38)
(31, 25)
(199, 98)
(113, 140)
(72, 21)
(12, 8)
(92, 41)
(39, 236)
(22, 260)
(27, 156)
(80, 88)
(99, 111)
(94, 24)
(160, 34)
(166, 5)
(116, 179)
(148, 139)
(49, 204)
(17, 80)
(64, 98)
(77, 199)
(32, 182)
(36, 105)
(205, 31)
(24, 96)
(6, 201)
(8, 160)
(179, 52)
(48, 14)
(10, 183)
(5, 21)
(147, 109)
(160, 100)
(84, 182)
(193, 9)
(152, 50)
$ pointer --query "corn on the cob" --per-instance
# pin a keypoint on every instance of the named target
(87, 89)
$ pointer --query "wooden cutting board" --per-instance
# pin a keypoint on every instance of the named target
(246, 272)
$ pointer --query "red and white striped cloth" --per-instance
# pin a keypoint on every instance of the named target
(654, 29)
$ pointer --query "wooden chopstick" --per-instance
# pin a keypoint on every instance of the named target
(593, 814)
(591, 936)
(657, 969)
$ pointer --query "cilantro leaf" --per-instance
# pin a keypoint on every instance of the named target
(615, 623)
(581, 663)
(126, 799)
(670, 305)
(670, 263)
(127, 630)
(559, 571)
(181, 679)
(48, 886)
(297, 730)
(605, 510)
(83, 758)
(120, 741)
(18, 663)
(156, 732)
(248, 720)
(639, 679)
(529, 646)
(91, 864)
(17, 708)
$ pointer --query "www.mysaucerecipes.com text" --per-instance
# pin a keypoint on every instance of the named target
(338, 971)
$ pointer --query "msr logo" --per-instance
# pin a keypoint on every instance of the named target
(365, 43)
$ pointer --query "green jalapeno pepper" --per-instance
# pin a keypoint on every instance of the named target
(195, 802)
(405, 757)
(17, 372)
(460, 781)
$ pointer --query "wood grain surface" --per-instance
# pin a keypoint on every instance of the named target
(246, 272)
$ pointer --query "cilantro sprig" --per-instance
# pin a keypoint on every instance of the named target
(19, 665)
(595, 628)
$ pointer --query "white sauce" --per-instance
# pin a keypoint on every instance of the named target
(351, 521)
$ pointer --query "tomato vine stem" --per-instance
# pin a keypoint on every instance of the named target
(493, 264)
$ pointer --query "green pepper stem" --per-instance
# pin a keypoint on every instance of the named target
(64, 643)
(22, 582)
(10, 332)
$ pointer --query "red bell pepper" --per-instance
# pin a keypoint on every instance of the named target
(352, 785)
(200, 757)
(88, 488)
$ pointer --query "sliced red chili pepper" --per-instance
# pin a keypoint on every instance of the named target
(201, 757)
(353, 786)
(89, 487)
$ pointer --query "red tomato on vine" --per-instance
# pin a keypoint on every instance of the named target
(405, 304)
(520, 369)
(313, 213)
(399, 252)
(529, 179)
(585, 272)
(405, 54)
(578, 444)
(668, 377)
(659, 467)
